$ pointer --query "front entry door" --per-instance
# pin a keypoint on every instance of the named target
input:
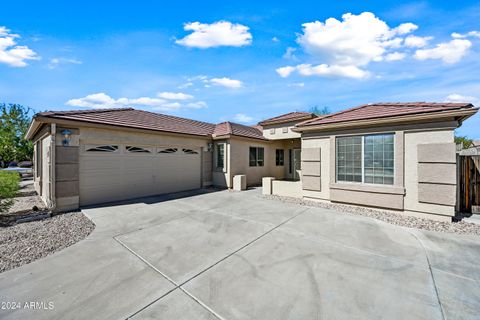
(297, 159)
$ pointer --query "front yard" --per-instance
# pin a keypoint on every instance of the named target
(237, 255)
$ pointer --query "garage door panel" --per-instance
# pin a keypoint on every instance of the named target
(106, 177)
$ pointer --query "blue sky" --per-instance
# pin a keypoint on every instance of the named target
(240, 61)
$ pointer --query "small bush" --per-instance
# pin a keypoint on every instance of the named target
(8, 189)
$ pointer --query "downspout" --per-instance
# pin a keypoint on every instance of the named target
(53, 147)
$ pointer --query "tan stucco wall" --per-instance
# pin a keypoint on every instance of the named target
(403, 195)
(280, 131)
(412, 140)
(323, 143)
(239, 161)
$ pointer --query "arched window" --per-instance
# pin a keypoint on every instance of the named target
(107, 148)
(133, 149)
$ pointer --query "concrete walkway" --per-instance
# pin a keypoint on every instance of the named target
(229, 255)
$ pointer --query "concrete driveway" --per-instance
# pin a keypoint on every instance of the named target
(228, 255)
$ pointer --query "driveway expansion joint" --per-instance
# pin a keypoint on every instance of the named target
(179, 286)
(431, 274)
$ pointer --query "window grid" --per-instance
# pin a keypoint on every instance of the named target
(256, 156)
(366, 159)
(279, 157)
(220, 161)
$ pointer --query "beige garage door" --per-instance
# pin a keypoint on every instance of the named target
(111, 172)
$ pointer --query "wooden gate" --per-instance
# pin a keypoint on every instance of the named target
(469, 184)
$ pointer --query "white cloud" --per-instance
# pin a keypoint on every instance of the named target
(475, 34)
(103, 101)
(297, 84)
(455, 97)
(418, 42)
(185, 85)
(405, 28)
(275, 39)
(55, 62)
(174, 96)
(345, 47)
(168, 106)
(285, 71)
(395, 56)
(332, 71)
(289, 53)
(197, 105)
(356, 40)
(226, 82)
(220, 33)
(324, 70)
(449, 52)
(242, 118)
(10, 53)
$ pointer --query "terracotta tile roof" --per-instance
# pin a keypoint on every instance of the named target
(291, 116)
(235, 129)
(139, 119)
(384, 110)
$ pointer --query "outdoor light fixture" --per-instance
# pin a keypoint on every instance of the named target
(210, 147)
(66, 137)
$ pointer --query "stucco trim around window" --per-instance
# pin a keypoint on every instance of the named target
(220, 157)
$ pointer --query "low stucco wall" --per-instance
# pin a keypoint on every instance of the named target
(287, 188)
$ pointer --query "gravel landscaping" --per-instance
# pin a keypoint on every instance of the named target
(460, 227)
(23, 243)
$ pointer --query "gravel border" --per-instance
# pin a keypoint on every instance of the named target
(460, 227)
(26, 242)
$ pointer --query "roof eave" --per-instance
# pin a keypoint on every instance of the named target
(46, 119)
(35, 124)
(303, 118)
(461, 114)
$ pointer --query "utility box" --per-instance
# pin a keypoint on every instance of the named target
(240, 182)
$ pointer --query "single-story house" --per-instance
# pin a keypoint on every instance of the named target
(399, 156)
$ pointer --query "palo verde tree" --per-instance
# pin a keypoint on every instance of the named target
(319, 111)
(14, 122)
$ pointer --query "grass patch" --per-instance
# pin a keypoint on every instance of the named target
(8, 189)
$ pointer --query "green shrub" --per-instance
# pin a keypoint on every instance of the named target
(8, 189)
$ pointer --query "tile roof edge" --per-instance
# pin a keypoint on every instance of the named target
(79, 111)
(306, 122)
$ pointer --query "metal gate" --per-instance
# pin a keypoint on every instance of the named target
(469, 184)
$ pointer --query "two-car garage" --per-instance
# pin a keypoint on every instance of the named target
(111, 172)
(107, 155)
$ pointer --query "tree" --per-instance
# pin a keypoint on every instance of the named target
(319, 111)
(465, 141)
(14, 120)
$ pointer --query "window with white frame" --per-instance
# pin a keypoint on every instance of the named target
(220, 156)
(365, 159)
(256, 156)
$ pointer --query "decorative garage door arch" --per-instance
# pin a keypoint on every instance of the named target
(112, 172)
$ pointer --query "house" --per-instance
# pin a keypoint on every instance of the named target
(399, 156)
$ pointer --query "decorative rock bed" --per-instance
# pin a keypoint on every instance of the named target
(460, 227)
(23, 243)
